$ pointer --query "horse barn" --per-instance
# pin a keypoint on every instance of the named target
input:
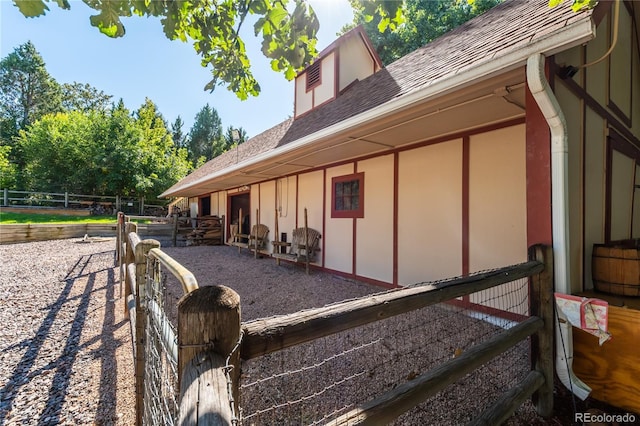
(520, 127)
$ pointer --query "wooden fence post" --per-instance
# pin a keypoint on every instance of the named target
(5, 197)
(542, 303)
(174, 232)
(208, 333)
(141, 251)
(129, 257)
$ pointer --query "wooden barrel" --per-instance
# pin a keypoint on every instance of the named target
(616, 269)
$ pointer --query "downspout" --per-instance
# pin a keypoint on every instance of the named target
(548, 104)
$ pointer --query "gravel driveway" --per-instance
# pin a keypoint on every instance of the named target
(65, 347)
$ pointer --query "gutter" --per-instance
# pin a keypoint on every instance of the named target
(546, 100)
(577, 33)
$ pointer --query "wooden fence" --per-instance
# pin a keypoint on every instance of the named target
(210, 340)
(102, 204)
(167, 229)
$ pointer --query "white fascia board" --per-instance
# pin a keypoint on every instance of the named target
(576, 34)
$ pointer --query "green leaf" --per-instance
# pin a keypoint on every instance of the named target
(275, 65)
(579, 5)
(290, 73)
(113, 30)
(382, 26)
(31, 8)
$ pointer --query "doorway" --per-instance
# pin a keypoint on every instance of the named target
(237, 202)
(205, 206)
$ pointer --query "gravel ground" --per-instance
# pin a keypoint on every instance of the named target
(65, 347)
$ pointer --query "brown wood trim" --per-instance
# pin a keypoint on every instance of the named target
(465, 203)
(600, 110)
(377, 61)
(396, 171)
(633, 195)
(618, 111)
(601, 11)
(354, 235)
(607, 196)
(466, 173)
(341, 214)
(538, 172)
(324, 215)
(336, 73)
(635, 26)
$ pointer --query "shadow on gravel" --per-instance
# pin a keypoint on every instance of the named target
(64, 363)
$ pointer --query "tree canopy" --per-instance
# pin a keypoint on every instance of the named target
(27, 90)
(288, 31)
(75, 139)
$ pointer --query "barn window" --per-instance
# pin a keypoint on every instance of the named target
(347, 196)
(314, 75)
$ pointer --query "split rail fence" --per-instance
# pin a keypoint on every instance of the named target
(97, 204)
(190, 372)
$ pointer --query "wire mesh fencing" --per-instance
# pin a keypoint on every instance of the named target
(161, 392)
(332, 364)
(316, 382)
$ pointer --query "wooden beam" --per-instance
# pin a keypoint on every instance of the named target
(272, 334)
(391, 405)
(209, 321)
(542, 303)
(509, 402)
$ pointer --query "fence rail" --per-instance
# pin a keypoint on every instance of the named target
(190, 373)
(97, 204)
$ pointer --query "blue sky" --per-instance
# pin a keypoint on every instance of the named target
(144, 63)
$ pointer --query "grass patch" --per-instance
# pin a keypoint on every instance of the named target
(8, 218)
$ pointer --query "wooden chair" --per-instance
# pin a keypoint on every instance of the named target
(303, 247)
(256, 239)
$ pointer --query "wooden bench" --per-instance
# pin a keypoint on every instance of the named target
(305, 243)
(255, 241)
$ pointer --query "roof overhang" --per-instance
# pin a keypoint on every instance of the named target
(469, 98)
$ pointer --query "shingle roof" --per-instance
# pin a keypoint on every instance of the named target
(265, 141)
(505, 28)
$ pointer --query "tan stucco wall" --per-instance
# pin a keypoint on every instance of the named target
(430, 213)
(497, 199)
(497, 211)
(355, 62)
(268, 209)
(310, 197)
(303, 99)
(338, 238)
(374, 232)
(286, 205)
